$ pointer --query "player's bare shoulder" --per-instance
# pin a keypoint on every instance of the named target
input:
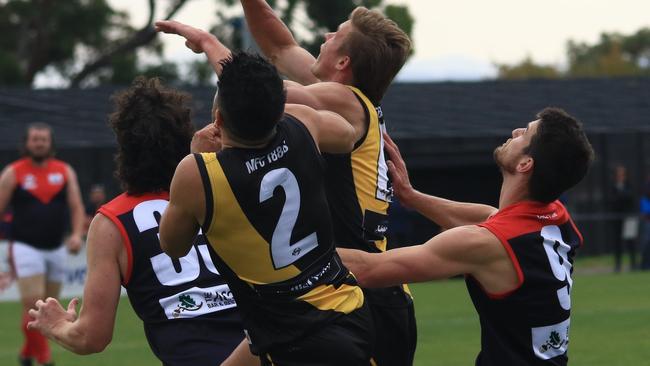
(7, 177)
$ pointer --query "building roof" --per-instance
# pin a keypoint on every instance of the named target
(494, 108)
(433, 111)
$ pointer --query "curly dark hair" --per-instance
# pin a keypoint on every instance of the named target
(153, 131)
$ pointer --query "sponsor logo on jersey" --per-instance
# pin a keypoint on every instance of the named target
(198, 301)
(547, 217)
(55, 179)
(186, 303)
(29, 183)
(551, 341)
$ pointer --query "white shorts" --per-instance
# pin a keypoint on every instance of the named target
(29, 261)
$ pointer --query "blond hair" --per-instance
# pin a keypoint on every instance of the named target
(378, 49)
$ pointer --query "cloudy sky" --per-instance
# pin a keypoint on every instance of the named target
(462, 39)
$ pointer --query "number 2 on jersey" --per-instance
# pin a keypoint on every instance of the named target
(283, 252)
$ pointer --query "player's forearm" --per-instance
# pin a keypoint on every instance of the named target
(270, 33)
(368, 268)
(78, 218)
(77, 338)
(446, 213)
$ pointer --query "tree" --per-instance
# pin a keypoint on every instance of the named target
(527, 69)
(81, 39)
(614, 55)
(87, 42)
(39, 33)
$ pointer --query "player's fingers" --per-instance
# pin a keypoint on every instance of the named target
(394, 174)
(39, 303)
(392, 152)
(72, 305)
(32, 313)
(394, 157)
(392, 144)
(388, 140)
(31, 325)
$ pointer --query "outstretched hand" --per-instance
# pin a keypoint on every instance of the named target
(49, 314)
(198, 41)
(398, 173)
(195, 39)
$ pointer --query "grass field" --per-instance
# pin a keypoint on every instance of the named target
(610, 326)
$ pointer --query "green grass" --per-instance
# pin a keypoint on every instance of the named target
(610, 326)
(610, 322)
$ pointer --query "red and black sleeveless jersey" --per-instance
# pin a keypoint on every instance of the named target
(39, 202)
(529, 325)
(172, 296)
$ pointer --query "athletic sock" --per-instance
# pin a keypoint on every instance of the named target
(27, 351)
(36, 345)
(43, 354)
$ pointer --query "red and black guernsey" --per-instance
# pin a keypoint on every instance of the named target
(39, 202)
(530, 324)
(188, 311)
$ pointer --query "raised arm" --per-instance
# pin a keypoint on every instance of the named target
(446, 213)
(277, 42)
(462, 250)
(333, 97)
(330, 131)
(92, 331)
(77, 212)
(198, 41)
(180, 222)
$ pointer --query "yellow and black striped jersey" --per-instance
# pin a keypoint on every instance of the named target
(266, 218)
(358, 189)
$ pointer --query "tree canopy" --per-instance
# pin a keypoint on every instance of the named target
(614, 55)
(88, 42)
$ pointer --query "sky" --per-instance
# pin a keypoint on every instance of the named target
(463, 39)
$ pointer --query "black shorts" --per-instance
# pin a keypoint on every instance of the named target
(348, 341)
(197, 341)
(394, 317)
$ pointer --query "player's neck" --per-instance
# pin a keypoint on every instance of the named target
(39, 162)
(513, 189)
(340, 77)
(229, 142)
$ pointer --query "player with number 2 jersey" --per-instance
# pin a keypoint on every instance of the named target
(261, 204)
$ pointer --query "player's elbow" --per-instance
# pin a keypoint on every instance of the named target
(167, 244)
(348, 138)
(97, 347)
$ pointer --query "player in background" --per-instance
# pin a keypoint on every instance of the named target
(188, 312)
(260, 203)
(42, 192)
(350, 77)
(517, 259)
